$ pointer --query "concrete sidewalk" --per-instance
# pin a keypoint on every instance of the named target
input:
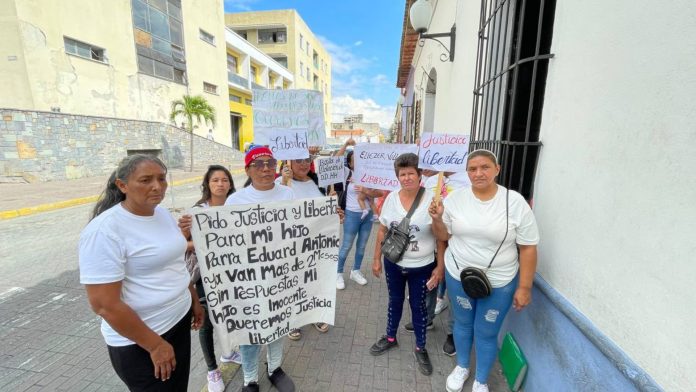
(21, 199)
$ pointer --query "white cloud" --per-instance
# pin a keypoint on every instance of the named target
(380, 79)
(239, 5)
(358, 43)
(371, 111)
(343, 61)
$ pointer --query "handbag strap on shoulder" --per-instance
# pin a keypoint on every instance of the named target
(416, 201)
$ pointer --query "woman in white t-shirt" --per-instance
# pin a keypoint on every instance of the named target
(296, 174)
(418, 267)
(474, 221)
(131, 257)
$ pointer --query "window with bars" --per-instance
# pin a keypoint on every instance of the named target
(514, 43)
(209, 88)
(206, 36)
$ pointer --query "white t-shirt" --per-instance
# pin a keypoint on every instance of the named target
(477, 228)
(250, 195)
(146, 254)
(302, 189)
(352, 195)
(421, 250)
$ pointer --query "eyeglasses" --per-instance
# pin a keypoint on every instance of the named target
(260, 163)
(304, 160)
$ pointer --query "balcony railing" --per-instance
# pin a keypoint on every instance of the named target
(256, 85)
(238, 80)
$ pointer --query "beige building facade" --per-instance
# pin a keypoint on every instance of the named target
(285, 37)
(122, 58)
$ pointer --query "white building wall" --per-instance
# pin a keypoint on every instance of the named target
(615, 189)
(455, 80)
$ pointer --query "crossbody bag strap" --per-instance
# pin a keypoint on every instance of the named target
(507, 222)
(416, 201)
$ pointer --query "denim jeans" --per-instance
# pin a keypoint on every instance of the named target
(431, 302)
(478, 320)
(352, 226)
(397, 277)
(250, 359)
(205, 334)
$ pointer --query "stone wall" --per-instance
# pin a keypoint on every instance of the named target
(47, 146)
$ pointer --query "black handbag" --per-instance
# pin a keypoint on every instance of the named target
(474, 280)
(396, 240)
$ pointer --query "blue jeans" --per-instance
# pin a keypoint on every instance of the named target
(480, 318)
(250, 359)
(352, 226)
(397, 277)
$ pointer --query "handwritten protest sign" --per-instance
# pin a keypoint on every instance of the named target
(374, 164)
(329, 170)
(443, 152)
(263, 271)
(288, 145)
(289, 111)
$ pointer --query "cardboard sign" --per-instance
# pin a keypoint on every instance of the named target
(288, 145)
(291, 111)
(374, 164)
(443, 152)
(267, 269)
(330, 170)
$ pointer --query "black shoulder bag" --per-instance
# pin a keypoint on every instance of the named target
(398, 237)
(474, 280)
(342, 197)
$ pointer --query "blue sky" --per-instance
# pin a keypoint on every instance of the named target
(363, 38)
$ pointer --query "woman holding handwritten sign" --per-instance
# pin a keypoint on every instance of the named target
(304, 184)
(418, 267)
(260, 167)
(216, 187)
(493, 230)
(132, 265)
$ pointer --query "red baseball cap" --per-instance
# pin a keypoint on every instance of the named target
(260, 151)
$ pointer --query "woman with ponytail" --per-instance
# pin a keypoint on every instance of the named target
(131, 257)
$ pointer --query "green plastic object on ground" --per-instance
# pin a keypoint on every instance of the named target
(513, 362)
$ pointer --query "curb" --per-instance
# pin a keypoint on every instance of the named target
(10, 214)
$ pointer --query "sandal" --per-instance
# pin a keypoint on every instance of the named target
(295, 334)
(321, 327)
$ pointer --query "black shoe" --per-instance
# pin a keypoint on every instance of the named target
(281, 381)
(448, 348)
(423, 361)
(252, 387)
(409, 327)
(382, 345)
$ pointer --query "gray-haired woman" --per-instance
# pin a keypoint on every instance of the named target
(131, 257)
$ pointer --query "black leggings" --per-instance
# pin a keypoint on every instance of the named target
(205, 334)
(134, 367)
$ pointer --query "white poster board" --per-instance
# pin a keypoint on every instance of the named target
(267, 269)
(443, 152)
(288, 144)
(290, 111)
(374, 164)
(330, 170)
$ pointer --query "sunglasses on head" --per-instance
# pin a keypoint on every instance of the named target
(260, 163)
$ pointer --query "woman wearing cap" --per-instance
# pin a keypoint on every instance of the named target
(131, 257)
(260, 166)
(477, 221)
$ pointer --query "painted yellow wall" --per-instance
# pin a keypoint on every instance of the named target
(44, 76)
(246, 123)
(295, 26)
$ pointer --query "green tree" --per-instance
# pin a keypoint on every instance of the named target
(193, 107)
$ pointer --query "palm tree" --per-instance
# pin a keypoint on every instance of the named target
(193, 107)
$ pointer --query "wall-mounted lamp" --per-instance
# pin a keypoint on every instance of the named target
(420, 14)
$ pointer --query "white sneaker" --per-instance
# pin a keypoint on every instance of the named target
(455, 381)
(358, 277)
(340, 283)
(478, 387)
(441, 305)
(215, 383)
(234, 356)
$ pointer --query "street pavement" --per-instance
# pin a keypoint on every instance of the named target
(51, 339)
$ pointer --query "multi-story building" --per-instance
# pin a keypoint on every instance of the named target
(123, 58)
(284, 36)
(247, 68)
(354, 127)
